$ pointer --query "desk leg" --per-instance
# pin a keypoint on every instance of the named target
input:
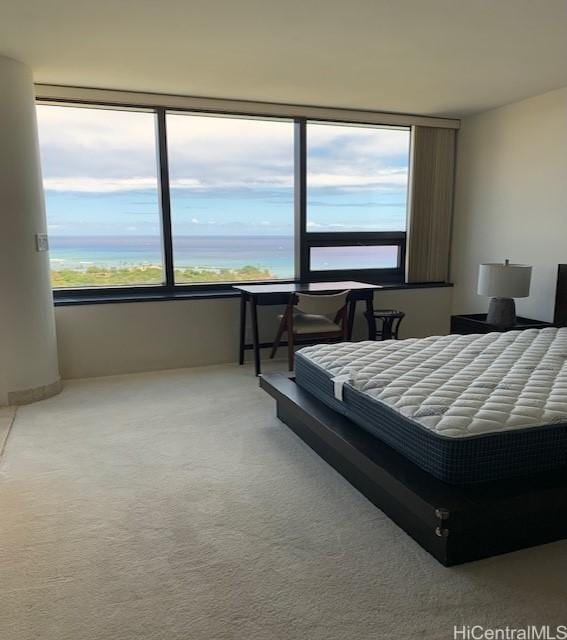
(351, 314)
(255, 339)
(242, 328)
(370, 317)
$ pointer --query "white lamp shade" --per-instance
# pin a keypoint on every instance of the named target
(499, 280)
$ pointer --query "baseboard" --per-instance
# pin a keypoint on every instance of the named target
(27, 396)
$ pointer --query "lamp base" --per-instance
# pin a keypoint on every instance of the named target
(501, 312)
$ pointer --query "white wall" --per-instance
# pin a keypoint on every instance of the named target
(28, 352)
(511, 199)
(105, 339)
(510, 202)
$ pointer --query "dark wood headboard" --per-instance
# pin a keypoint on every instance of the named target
(560, 315)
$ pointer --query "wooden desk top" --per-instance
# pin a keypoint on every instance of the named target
(305, 287)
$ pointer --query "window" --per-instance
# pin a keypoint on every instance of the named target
(163, 200)
(356, 199)
(232, 209)
(101, 192)
(357, 178)
(348, 257)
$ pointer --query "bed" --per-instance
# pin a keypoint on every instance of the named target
(467, 409)
(461, 440)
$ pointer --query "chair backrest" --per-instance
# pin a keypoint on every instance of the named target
(324, 305)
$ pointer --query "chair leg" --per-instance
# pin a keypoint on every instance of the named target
(278, 337)
(290, 351)
(344, 325)
(290, 340)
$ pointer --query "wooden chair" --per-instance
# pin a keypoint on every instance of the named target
(310, 319)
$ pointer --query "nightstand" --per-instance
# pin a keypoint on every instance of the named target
(476, 323)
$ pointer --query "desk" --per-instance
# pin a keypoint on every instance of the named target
(274, 294)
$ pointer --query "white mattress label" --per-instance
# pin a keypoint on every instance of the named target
(339, 383)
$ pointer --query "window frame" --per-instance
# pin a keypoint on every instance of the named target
(363, 239)
(311, 239)
(303, 239)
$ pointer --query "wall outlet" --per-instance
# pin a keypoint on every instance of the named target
(41, 242)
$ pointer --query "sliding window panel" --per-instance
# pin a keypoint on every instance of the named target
(369, 256)
(101, 191)
(232, 198)
(357, 178)
(354, 257)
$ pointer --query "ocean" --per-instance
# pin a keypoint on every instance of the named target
(274, 253)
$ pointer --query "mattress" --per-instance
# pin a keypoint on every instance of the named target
(466, 409)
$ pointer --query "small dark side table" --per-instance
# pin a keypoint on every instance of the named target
(476, 323)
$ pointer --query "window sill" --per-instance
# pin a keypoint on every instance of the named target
(62, 299)
(76, 298)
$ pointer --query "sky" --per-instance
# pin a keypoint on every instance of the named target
(228, 176)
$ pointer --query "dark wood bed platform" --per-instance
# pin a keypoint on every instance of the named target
(455, 524)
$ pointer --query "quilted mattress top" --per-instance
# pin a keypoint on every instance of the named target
(460, 386)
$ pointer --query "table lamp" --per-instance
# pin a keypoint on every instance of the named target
(503, 283)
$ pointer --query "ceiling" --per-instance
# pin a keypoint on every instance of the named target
(432, 57)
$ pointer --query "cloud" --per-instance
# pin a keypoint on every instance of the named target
(384, 179)
(388, 178)
(378, 225)
(356, 205)
(197, 222)
(99, 185)
(185, 183)
(363, 140)
(101, 150)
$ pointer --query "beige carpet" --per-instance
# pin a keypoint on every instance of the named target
(175, 506)
(6, 419)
